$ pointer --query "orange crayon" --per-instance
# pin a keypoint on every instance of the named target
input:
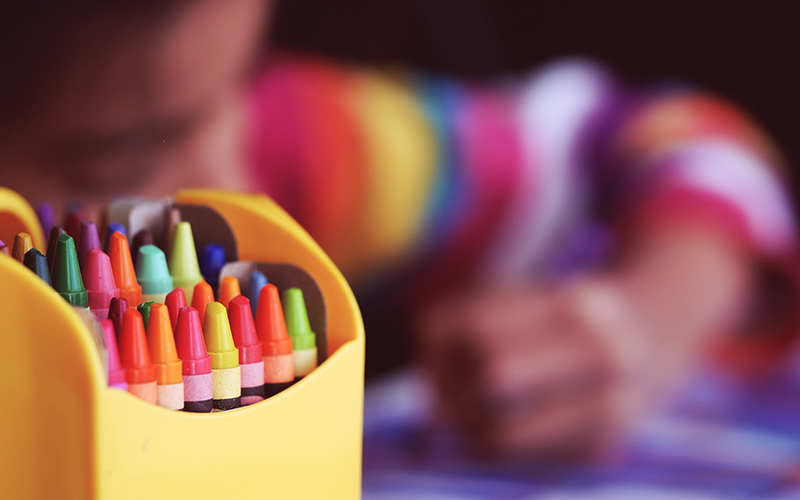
(228, 289)
(276, 344)
(139, 371)
(203, 296)
(124, 272)
(169, 369)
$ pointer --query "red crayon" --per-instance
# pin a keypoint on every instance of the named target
(175, 301)
(98, 279)
(116, 309)
(275, 341)
(116, 373)
(251, 360)
(139, 371)
(198, 385)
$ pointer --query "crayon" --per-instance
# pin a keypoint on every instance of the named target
(304, 342)
(114, 227)
(144, 310)
(139, 371)
(142, 238)
(124, 273)
(228, 289)
(3, 248)
(88, 240)
(22, 243)
(52, 244)
(257, 282)
(116, 373)
(116, 311)
(212, 259)
(99, 281)
(203, 295)
(275, 342)
(37, 262)
(66, 273)
(153, 274)
(74, 215)
(46, 216)
(169, 369)
(251, 359)
(225, 369)
(172, 217)
(183, 263)
(198, 382)
(175, 301)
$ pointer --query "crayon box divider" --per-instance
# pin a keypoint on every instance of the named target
(68, 435)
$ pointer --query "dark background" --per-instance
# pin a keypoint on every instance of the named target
(747, 52)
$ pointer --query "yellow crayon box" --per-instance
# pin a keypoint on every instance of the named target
(66, 434)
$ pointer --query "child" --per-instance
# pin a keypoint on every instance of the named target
(476, 200)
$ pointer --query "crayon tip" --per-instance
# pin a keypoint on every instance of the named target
(98, 278)
(116, 373)
(66, 273)
(52, 244)
(89, 239)
(3, 248)
(116, 310)
(114, 227)
(183, 263)
(228, 289)
(75, 214)
(297, 323)
(212, 260)
(22, 243)
(219, 340)
(144, 310)
(37, 262)
(46, 216)
(134, 351)
(243, 330)
(257, 282)
(142, 238)
(163, 353)
(270, 323)
(124, 273)
(152, 271)
(190, 343)
(202, 296)
(175, 301)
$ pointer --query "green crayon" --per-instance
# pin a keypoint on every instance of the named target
(304, 341)
(144, 310)
(66, 275)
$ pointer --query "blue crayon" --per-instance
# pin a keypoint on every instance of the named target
(257, 282)
(212, 260)
(114, 227)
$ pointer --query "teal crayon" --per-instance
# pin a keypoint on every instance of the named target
(153, 274)
(37, 262)
(66, 274)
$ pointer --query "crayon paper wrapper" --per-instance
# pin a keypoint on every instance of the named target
(305, 360)
(252, 374)
(147, 391)
(279, 369)
(198, 387)
(170, 396)
(227, 383)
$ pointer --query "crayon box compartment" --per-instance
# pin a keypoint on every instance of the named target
(65, 434)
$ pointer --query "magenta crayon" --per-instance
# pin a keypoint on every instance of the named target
(75, 214)
(116, 311)
(89, 239)
(135, 354)
(116, 373)
(46, 216)
(224, 358)
(198, 383)
(98, 278)
(52, 244)
(275, 342)
(3, 248)
(169, 369)
(175, 301)
(251, 360)
(22, 243)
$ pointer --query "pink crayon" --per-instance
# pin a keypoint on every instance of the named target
(116, 373)
(98, 278)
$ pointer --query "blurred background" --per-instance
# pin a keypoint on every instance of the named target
(745, 52)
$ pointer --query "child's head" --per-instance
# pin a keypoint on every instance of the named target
(99, 99)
